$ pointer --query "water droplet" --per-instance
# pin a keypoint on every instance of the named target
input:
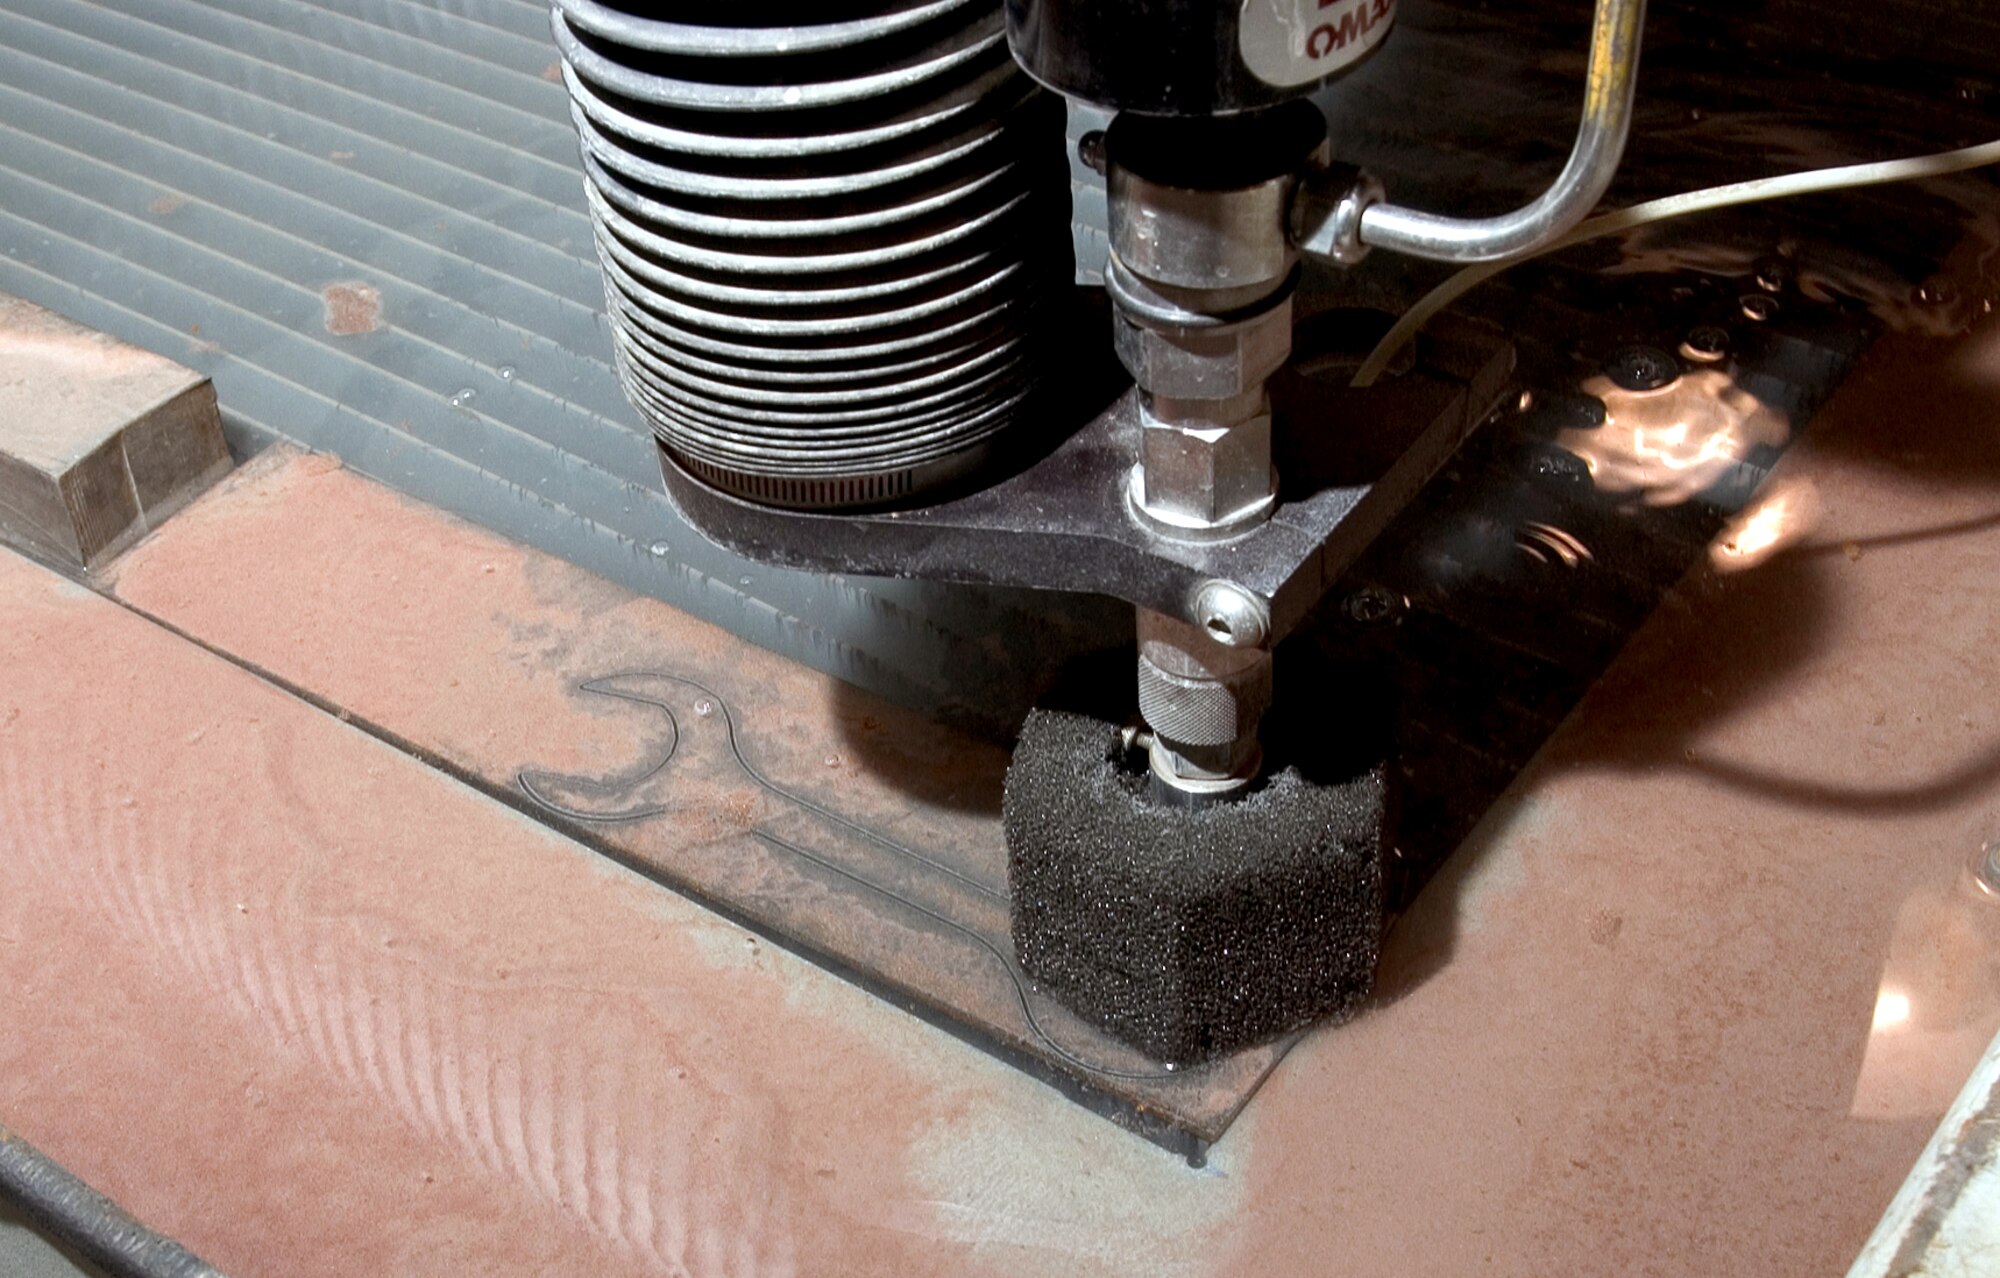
(793, 96)
(1558, 412)
(1758, 306)
(1642, 368)
(1549, 544)
(660, 550)
(1705, 344)
(832, 761)
(463, 397)
(703, 709)
(1525, 402)
(1171, 1067)
(1372, 605)
(505, 372)
(1932, 293)
(1560, 463)
(744, 581)
(1695, 114)
(1772, 274)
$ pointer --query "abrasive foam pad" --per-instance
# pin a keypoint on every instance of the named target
(1190, 933)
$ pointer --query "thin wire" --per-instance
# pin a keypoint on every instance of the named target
(1844, 178)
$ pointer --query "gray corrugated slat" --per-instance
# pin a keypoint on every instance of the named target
(231, 170)
(357, 99)
(440, 65)
(232, 36)
(61, 193)
(413, 382)
(526, 51)
(456, 319)
(528, 19)
(546, 245)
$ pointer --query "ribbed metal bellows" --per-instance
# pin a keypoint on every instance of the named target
(832, 233)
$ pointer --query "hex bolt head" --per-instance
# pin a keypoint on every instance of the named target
(1206, 476)
(1231, 615)
(1372, 606)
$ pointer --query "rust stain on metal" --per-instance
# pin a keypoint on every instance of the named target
(352, 308)
(168, 203)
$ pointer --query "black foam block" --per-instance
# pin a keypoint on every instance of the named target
(1189, 934)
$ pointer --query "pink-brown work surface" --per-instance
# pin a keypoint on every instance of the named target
(862, 834)
(1688, 1002)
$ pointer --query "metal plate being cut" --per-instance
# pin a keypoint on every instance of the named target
(863, 836)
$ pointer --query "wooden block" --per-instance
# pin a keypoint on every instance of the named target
(99, 441)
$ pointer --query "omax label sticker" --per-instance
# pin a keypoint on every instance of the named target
(1292, 42)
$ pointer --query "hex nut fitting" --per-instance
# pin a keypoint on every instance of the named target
(1326, 213)
(1204, 479)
